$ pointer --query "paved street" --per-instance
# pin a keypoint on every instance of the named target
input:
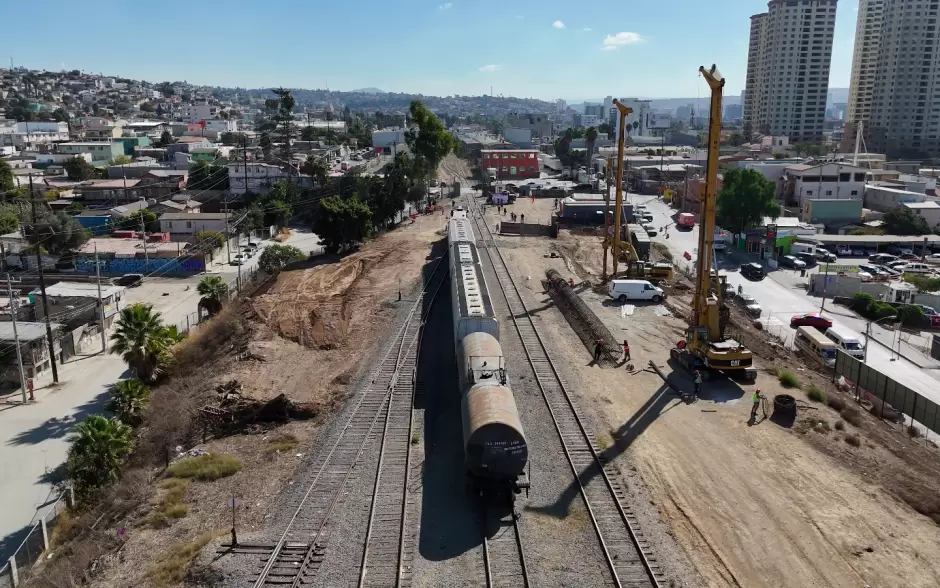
(33, 437)
(782, 296)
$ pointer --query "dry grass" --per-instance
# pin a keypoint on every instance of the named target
(852, 416)
(169, 505)
(171, 569)
(840, 425)
(815, 393)
(821, 427)
(853, 440)
(603, 440)
(788, 380)
(835, 402)
(773, 370)
(913, 432)
(281, 443)
(205, 468)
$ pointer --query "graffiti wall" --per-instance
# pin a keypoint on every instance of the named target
(117, 266)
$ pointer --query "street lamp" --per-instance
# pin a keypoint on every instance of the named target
(868, 333)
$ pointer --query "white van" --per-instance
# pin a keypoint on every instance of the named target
(816, 345)
(624, 290)
(847, 340)
(916, 267)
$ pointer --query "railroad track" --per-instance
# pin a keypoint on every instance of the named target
(628, 555)
(503, 555)
(383, 417)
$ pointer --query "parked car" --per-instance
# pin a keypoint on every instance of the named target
(844, 250)
(891, 272)
(807, 258)
(896, 263)
(650, 230)
(825, 255)
(873, 270)
(790, 261)
(864, 276)
(749, 303)
(248, 252)
(130, 280)
(812, 319)
(909, 257)
(928, 310)
(882, 258)
(238, 259)
(752, 271)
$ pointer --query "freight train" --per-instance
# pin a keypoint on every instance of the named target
(495, 449)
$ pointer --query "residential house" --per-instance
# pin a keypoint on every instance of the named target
(830, 180)
(29, 135)
(110, 191)
(161, 183)
(132, 145)
(929, 210)
(34, 349)
(830, 211)
(100, 151)
(183, 226)
(103, 220)
(80, 301)
(260, 176)
(883, 196)
(199, 111)
(187, 206)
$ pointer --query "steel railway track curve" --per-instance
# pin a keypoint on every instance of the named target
(628, 555)
(385, 405)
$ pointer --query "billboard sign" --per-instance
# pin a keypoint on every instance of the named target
(658, 121)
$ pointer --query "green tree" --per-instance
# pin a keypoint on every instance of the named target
(254, 218)
(266, 144)
(136, 219)
(308, 134)
(735, 139)
(165, 88)
(316, 169)
(203, 176)
(780, 155)
(9, 219)
(166, 138)
(276, 257)
(78, 169)
(605, 129)
(141, 341)
(341, 222)
(213, 290)
(97, 447)
(120, 160)
(428, 139)
(147, 107)
(285, 117)
(53, 231)
(589, 137)
(74, 208)
(901, 220)
(128, 400)
(7, 183)
(61, 115)
(745, 198)
(563, 147)
(210, 239)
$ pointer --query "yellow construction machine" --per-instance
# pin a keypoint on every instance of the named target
(706, 344)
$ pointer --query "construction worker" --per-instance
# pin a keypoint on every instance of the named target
(571, 282)
(626, 352)
(522, 218)
(598, 348)
(698, 383)
(755, 398)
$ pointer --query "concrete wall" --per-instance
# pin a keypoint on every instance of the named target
(836, 285)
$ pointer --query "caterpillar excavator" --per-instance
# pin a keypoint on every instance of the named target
(707, 345)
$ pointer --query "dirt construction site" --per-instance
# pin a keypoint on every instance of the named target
(834, 500)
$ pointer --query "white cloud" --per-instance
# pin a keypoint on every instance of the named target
(445, 6)
(558, 24)
(586, 30)
(491, 67)
(613, 42)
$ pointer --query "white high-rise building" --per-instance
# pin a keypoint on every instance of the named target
(864, 60)
(636, 123)
(904, 120)
(790, 49)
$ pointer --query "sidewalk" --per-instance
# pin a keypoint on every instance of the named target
(908, 345)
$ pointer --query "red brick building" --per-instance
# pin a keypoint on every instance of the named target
(511, 164)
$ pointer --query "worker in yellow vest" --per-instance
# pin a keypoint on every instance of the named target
(755, 399)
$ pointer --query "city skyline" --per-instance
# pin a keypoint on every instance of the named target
(510, 50)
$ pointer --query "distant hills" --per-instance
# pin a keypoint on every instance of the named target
(701, 103)
(369, 91)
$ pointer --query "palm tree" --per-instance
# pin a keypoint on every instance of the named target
(589, 137)
(213, 290)
(128, 400)
(141, 339)
(98, 446)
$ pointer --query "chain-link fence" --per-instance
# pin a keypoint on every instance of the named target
(16, 569)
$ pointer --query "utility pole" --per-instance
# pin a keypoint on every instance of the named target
(610, 165)
(143, 236)
(42, 286)
(104, 337)
(228, 245)
(14, 306)
(625, 111)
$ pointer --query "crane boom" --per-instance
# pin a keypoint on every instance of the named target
(706, 238)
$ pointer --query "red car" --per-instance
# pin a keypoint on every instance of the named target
(810, 320)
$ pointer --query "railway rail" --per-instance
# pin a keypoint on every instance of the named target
(383, 416)
(503, 555)
(628, 555)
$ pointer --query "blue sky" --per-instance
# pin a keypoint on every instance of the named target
(543, 49)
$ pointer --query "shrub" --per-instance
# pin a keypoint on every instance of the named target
(835, 402)
(171, 569)
(913, 432)
(773, 370)
(840, 425)
(853, 440)
(911, 316)
(821, 427)
(852, 416)
(815, 393)
(880, 310)
(861, 302)
(281, 443)
(205, 468)
(788, 380)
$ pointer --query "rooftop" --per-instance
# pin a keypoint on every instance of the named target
(167, 173)
(129, 247)
(25, 331)
(109, 184)
(928, 204)
(82, 290)
(194, 216)
(850, 239)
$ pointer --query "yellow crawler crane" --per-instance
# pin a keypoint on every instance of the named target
(706, 344)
